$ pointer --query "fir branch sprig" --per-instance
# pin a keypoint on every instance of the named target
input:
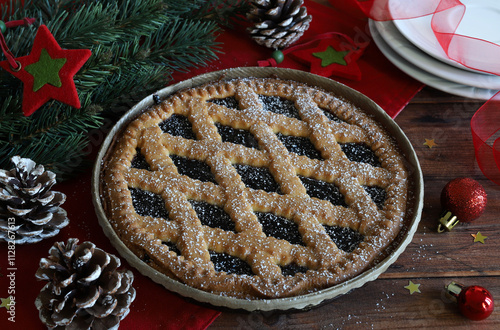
(136, 46)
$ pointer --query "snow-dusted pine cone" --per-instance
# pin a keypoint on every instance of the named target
(85, 289)
(29, 210)
(277, 23)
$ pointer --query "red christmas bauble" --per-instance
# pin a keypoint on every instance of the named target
(465, 198)
(475, 303)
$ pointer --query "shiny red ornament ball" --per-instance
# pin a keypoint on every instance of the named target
(475, 303)
(465, 198)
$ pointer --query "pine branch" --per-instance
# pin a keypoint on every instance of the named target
(136, 46)
(105, 23)
(66, 156)
(183, 43)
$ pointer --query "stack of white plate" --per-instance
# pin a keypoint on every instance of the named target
(411, 45)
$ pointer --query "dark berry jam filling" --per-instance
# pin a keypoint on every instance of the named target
(224, 262)
(178, 125)
(279, 105)
(172, 247)
(236, 135)
(139, 161)
(213, 215)
(301, 146)
(147, 203)
(279, 227)
(377, 194)
(257, 178)
(331, 116)
(193, 168)
(146, 258)
(360, 152)
(292, 269)
(323, 190)
(228, 102)
(346, 239)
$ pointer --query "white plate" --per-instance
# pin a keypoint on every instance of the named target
(407, 50)
(481, 20)
(425, 77)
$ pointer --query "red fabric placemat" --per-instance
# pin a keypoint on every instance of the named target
(155, 307)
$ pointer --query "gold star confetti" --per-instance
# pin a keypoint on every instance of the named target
(479, 237)
(413, 287)
(5, 302)
(430, 143)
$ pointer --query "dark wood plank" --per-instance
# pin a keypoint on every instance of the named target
(383, 304)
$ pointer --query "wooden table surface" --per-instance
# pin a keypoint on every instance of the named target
(432, 259)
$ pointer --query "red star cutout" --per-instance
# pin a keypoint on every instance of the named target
(66, 93)
(350, 70)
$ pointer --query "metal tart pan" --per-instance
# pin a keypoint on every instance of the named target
(301, 302)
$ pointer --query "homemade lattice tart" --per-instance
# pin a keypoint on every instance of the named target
(255, 188)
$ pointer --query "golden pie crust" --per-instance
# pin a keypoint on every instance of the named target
(326, 264)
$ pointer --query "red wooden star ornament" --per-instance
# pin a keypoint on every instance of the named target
(47, 72)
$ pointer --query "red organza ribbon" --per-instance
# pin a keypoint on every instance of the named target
(475, 53)
(471, 52)
(485, 128)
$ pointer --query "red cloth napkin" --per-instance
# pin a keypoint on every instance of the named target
(155, 307)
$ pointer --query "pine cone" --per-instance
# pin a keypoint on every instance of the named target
(85, 289)
(29, 210)
(278, 23)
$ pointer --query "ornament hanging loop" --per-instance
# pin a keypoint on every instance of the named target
(17, 68)
(447, 222)
(453, 289)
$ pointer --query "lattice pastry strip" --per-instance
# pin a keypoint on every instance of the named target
(180, 245)
(279, 161)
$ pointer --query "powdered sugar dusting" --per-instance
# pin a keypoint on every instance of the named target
(332, 196)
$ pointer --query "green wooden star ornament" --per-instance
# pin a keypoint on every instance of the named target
(46, 70)
(331, 56)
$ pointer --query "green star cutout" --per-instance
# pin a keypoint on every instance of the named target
(5, 302)
(46, 70)
(331, 56)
